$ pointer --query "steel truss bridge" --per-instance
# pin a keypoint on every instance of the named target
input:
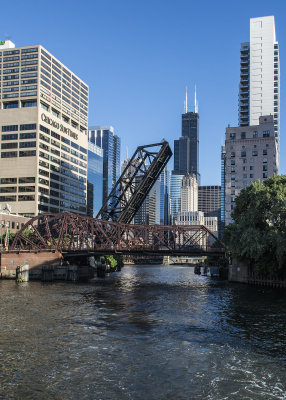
(75, 234)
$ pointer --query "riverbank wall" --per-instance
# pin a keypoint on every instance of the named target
(238, 272)
(45, 266)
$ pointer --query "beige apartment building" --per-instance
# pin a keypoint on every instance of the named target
(43, 124)
(251, 153)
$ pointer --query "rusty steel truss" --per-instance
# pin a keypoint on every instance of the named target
(135, 182)
(73, 233)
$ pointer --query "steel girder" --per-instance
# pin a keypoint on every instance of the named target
(135, 182)
(67, 232)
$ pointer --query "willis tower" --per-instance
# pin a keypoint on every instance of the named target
(186, 149)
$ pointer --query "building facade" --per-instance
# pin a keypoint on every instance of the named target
(94, 179)
(259, 89)
(149, 212)
(209, 201)
(104, 137)
(44, 120)
(197, 218)
(251, 153)
(189, 193)
(186, 148)
(175, 192)
(165, 181)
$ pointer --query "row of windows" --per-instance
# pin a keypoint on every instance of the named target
(14, 145)
(254, 134)
(12, 198)
(63, 139)
(12, 154)
(13, 189)
(23, 127)
(264, 160)
(12, 181)
(254, 153)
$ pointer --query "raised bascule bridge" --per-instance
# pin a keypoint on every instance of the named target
(111, 232)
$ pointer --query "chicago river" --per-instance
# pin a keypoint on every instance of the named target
(148, 332)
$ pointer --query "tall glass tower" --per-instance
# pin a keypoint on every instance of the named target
(186, 149)
(104, 137)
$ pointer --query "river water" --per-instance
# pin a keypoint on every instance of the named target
(147, 332)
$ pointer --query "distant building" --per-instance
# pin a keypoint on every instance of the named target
(186, 149)
(149, 212)
(94, 179)
(175, 191)
(209, 198)
(104, 137)
(165, 181)
(251, 153)
(197, 218)
(189, 193)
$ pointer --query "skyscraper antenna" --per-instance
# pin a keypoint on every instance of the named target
(186, 101)
(196, 104)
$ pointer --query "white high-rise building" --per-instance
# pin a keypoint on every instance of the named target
(189, 193)
(259, 89)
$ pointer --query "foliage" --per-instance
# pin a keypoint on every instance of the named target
(258, 234)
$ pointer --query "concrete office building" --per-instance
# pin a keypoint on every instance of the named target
(94, 179)
(259, 89)
(104, 137)
(209, 198)
(43, 122)
(251, 153)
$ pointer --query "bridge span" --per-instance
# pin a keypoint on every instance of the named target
(70, 233)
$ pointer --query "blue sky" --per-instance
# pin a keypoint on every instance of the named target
(138, 56)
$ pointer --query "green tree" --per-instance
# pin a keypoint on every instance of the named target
(258, 234)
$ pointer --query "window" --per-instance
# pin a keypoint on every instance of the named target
(232, 184)
(8, 189)
(255, 134)
(265, 175)
(9, 154)
(27, 127)
(266, 133)
(244, 176)
(244, 183)
(9, 128)
(265, 167)
(9, 145)
(44, 106)
(12, 136)
(28, 135)
(265, 160)
(233, 176)
(27, 144)
(265, 152)
(251, 168)
(232, 135)
(28, 103)
(251, 176)
(242, 135)
(27, 153)
(55, 113)
(10, 104)
(26, 197)
(29, 179)
(244, 168)
(8, 181)
(255, 153)
(243, 154)
(8, 198)
(44, 129)
(26, 188)
(232, 162)
(55, 135)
